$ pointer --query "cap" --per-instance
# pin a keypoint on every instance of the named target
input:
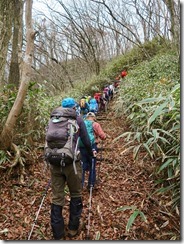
(68, 103)
(90, 114)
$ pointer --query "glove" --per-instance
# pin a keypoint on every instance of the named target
(94, 153)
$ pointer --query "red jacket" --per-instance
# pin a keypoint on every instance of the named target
(123, 73)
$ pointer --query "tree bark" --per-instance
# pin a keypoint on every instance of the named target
(6, 10)
(14, 74)
(8, 129)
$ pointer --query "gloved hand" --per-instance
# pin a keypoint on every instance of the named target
(94, 153)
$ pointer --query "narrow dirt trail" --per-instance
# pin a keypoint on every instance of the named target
(122, 182)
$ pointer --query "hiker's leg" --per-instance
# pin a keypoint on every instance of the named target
(85, 164)
(57, 184)
(75, 188)
(92, 172)
(75, 213)
(57, 221)
(83, 178)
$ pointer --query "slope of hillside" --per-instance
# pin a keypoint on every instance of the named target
(121, 182)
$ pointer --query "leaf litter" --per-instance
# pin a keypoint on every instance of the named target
(122, 183)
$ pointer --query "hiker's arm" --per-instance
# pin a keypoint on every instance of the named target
(98, 131)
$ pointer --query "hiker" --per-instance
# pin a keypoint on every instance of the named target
(103, 103)
(95, 133)
(118, 78)
(116, 83)
(123, 74)
(106, 92)
(64, 173)
(97, 96)
(111, 91)
(84, 106)
(93, 106)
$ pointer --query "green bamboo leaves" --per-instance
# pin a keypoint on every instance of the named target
(133, 216)
(159, 111)
(150, 99)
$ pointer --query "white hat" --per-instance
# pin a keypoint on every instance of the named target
(90, 114)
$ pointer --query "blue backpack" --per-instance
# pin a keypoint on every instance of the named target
(93, 106)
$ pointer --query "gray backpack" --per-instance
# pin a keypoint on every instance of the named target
(61, 143)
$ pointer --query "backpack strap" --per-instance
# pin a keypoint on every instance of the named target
(73, 129)
(75, 156)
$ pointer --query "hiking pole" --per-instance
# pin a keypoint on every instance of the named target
(90, 197)
(75, 156)
(100, 162)
(44, 195)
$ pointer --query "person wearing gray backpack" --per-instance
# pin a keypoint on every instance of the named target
(62, 154)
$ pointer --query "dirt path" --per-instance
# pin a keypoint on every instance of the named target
(122, 182)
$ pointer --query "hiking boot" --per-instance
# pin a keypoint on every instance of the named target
(72, 233)
(62, 238)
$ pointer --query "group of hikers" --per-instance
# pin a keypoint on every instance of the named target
(99, 101)
(72, 143)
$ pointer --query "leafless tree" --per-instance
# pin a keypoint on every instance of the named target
(10, 124)
(91, 32)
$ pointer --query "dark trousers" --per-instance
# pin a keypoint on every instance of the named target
(57, 221)
(59, 177)
(88, 166)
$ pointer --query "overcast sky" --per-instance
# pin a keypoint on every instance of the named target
(40, 6)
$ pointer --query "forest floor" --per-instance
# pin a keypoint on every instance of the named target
(122, 182)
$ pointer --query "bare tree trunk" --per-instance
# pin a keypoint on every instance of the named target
(174, 11)
(171, 5)
(8, 129)
(20, 40)
(5, 33)
(14, 74)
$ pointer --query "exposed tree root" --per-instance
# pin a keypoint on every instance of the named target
(18, 160)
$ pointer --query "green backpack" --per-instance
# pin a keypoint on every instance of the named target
(89, 127)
